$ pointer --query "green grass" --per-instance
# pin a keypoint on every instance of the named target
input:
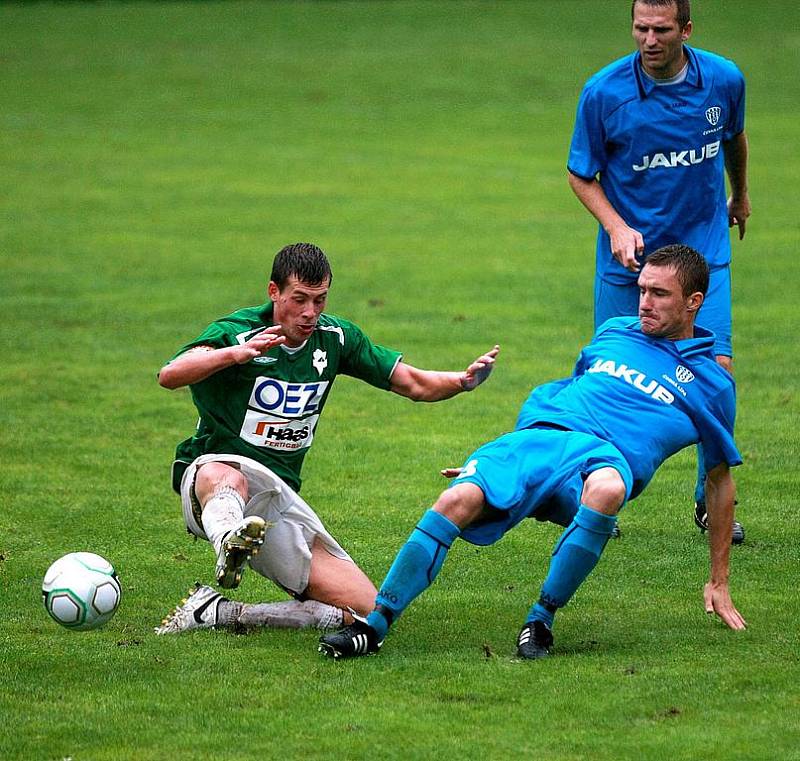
(153, 157)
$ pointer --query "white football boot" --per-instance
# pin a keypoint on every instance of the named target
(205, 608)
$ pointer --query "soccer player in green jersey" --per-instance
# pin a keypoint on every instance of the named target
(260, 378)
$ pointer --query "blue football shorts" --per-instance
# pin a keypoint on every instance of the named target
(535, 473)
(612, 300)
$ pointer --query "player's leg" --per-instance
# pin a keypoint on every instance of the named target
(222, 492)
(214, 491)
(339, 582)
(420, 559)
(575, 555)
(611, 300)
(414, 569)
(205, 608)
(715, 315)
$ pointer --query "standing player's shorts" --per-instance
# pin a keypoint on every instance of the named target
(612, 300)
(292, 526)
(535, 473)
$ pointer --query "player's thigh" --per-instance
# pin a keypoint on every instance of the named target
(715, 314)
(339, 582)
(612, 300)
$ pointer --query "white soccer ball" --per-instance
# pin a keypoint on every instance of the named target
(81, 591)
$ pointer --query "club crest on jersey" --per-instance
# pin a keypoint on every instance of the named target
(713, 114)
(319, 360)
(675, 159)
(634, 378)
(683, 374)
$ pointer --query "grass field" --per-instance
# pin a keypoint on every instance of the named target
(153, 157)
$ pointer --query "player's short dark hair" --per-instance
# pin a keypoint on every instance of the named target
(690, 266)
(684, 14)
(305, 261)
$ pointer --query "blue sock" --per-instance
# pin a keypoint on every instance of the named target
(575, 555)
(700, 486)
(414, 569)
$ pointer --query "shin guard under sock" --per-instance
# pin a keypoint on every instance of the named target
(414, 568)
(575, 555)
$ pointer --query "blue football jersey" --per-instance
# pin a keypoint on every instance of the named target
(649, 397)
(657, 152)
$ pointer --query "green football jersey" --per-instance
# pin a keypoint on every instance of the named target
(268, 409)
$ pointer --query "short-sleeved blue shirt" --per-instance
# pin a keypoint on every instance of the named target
(649, 397)
(657, 152)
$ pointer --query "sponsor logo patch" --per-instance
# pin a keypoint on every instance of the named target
(634, 378)
(282, 415)
(683, 374)
(288, 400)
(278, 433)
(673, 159)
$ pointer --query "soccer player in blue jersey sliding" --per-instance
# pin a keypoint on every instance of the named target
(642, 390)
(654, 134)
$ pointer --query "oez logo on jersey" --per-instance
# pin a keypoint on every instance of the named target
(283, 415)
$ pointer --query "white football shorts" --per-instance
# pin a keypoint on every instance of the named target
(292, 526)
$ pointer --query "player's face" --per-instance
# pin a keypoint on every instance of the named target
(660, 39)
(297, 308)
(664, 312)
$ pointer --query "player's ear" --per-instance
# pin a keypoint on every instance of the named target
(273, 291)
(694, 302)
(686, 32)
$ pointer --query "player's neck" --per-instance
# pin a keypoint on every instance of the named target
(674, 74)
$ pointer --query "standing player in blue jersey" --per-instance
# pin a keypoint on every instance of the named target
(582, 447)
(654, 134)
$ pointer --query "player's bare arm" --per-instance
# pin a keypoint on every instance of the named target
(200, 362)
(739, 210)
(436, 385)
(626, 242)
(720, 495)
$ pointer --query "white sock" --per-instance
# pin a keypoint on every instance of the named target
(291, 614)
(221, 514)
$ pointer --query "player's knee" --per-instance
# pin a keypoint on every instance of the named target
(604, 490)
(462, 504)
(213, 476)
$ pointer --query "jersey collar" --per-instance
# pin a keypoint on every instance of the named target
(645, 85)
(702, 342)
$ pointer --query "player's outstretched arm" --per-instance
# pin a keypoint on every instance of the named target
(720, 495)
(200, 362)
(626, 242)
(435, 385)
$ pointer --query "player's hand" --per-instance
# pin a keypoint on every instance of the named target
(718, 601)
(626, 243)
(738, 212)
(451, 472)
(259, 344)
(479, 370)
